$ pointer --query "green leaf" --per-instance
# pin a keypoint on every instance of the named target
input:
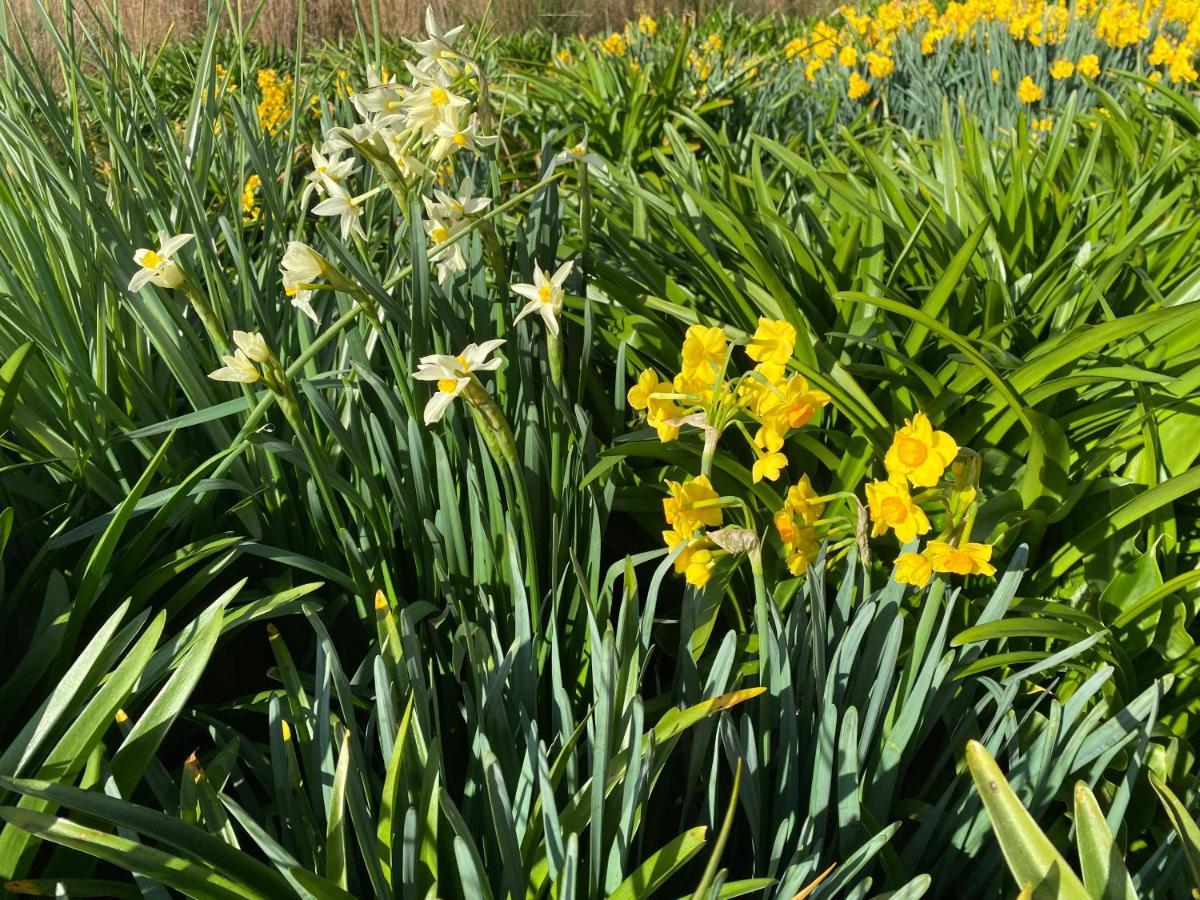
(10, 382)
(146, 735)
(661, 865)
(1031, 857)
(191, 878)
(1104, 873)
(1183, 823)
(189, 839)
(335, 832)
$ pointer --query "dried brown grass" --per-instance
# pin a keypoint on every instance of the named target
(147, 23)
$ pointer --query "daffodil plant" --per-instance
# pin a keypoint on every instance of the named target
(767, 403)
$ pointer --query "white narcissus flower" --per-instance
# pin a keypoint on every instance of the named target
(366, 134)
(251, 348)
(158, 266)
(382, 96)
(579, 153)
(454, 208)
(545, 295)
(438, 49)
(398, 145)
(340, 203)
(237, 368)
(449, 259)
(326, 169)
(302, 265)
(453, 374)
(450, 137)
(253, 345)
(433, 104)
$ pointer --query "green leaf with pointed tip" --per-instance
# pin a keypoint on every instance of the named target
(166, 829)
(10, 382)
(660, 866)
(1104, 873)
(1031, 857)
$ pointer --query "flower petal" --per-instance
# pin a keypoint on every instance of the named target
(437, 406)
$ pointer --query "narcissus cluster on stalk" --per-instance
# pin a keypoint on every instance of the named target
(767, 402)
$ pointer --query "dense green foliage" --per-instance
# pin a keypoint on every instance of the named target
(274, 642)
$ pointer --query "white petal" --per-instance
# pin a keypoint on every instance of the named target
(551, 319)
(563, 271)
(331, 206)
(174, 244)
(529, 307)
(437, 406)
(528, 291)
(303, 302)
(234, 374)
(488, 346)
(139, 279)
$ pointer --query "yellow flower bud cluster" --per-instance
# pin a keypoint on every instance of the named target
(251, 211)
(275, 107)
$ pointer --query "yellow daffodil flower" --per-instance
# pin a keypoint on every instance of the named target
(801, 552)
(773, 342)
(1088, 65)
(1028, 91)
(803, 501)
(768, 465)
(966, 559)
(919, 453)
(680, 508)
(704, 352)
(793, 405)
(892, 507)
(914, 569)
(1062, 68)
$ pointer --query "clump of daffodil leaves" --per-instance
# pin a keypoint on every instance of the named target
(767, 403)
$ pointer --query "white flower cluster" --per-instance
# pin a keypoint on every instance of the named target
(406, 131)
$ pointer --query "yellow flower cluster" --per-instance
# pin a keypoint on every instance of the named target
(275, 107)
(802, 510)
(855, 44)
(688, 508)
(224, 82)
(919, 457)
(251, 212)
(615, 44)
(1042, 126)
(1029, 91)
(765, 403)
